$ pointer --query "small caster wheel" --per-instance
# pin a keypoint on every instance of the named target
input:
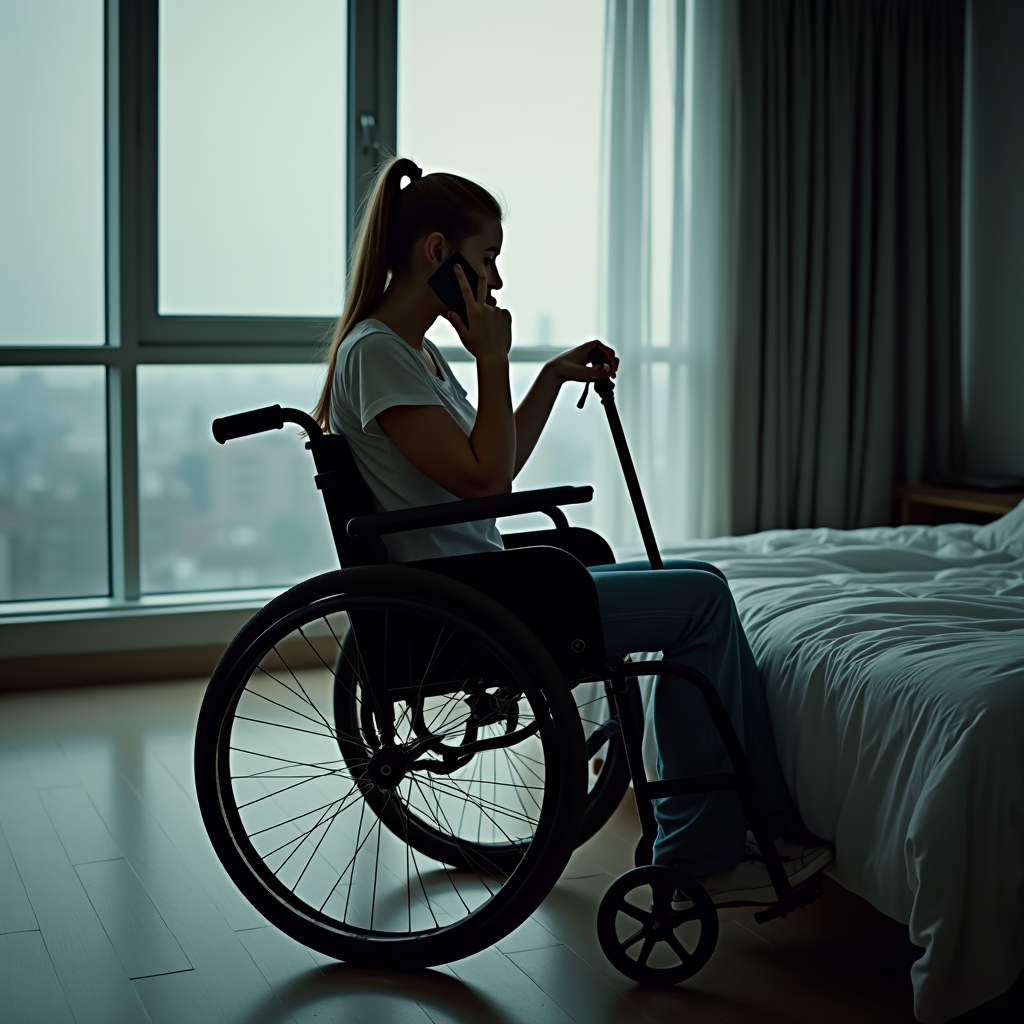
(657, 925)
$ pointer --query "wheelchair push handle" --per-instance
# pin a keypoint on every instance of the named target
(257, 421)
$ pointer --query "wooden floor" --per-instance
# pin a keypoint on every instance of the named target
(113, 908)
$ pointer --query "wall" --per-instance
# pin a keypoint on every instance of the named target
(993, 330)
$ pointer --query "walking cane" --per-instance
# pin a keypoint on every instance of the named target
(605, 387)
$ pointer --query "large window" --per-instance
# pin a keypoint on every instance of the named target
(177, 186)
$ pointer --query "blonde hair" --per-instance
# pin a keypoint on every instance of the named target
(391, 220)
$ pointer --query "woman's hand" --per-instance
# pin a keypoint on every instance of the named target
(536, 407)
(489, 332)
(572, 365)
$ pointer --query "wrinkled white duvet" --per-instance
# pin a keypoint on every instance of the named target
(894, 665)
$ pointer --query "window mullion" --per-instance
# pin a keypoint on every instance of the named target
(372, 95)
(122, 421)
(122, 126)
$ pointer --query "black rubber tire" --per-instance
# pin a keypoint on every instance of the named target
(657, 924)
(559, 730)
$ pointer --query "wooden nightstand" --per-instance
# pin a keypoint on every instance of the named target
(932, 505)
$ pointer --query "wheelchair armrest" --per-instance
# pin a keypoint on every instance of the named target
(469, 511)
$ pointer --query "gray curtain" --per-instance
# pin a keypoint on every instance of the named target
(847, 347)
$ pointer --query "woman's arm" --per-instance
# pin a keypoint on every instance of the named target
(469, 467)
(486, 462)
(427, 435)
(535, 408)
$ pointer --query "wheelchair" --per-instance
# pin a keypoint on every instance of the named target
(412, 797)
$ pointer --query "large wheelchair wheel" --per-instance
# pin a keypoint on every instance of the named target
(379, 854)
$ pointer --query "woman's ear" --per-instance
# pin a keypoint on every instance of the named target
(434, 248)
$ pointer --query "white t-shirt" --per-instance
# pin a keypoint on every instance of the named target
(376, 370)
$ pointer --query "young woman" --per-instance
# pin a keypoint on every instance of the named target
(418, 441)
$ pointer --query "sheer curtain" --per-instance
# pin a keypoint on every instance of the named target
(669, 189)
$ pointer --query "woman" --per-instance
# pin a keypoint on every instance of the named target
(418, 441)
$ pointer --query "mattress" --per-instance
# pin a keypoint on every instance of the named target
(893, 661)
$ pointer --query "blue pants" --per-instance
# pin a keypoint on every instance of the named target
(687, 612)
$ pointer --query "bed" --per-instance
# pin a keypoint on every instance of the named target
(893, 659)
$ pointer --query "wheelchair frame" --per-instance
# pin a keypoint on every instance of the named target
(569, 628)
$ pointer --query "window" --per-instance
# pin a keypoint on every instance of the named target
(53, 482)
(51, 173)
(214, 517)
(521, 115)
(251, 150)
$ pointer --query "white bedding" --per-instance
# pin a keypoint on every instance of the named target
(894, 665)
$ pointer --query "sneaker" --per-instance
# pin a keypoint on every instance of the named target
(748, 882)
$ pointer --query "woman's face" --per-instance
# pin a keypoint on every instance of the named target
(482, 251)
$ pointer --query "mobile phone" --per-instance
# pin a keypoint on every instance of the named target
(446, 284)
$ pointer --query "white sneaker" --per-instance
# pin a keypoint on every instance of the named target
(748, 882)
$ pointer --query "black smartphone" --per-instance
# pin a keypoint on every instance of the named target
(446, 284)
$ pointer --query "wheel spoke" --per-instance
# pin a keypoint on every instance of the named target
(284, 707)
(333, 819)
(519, 795)
(677, 947)
(281, 725)
(376, 866)
(479, 802)
(301, 841)
(298, 683)
(359, 832)
(303, 814)
(521, 758)
(636, 913)
(286, 789)
(473, 859)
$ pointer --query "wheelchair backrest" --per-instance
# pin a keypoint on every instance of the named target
(346, 495)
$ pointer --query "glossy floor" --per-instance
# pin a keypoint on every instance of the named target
(113, 908)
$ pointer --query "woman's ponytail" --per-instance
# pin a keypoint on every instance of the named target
(368, 267)
(391, 220)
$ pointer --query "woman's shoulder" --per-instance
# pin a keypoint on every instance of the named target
(372, 342)
(371, 334)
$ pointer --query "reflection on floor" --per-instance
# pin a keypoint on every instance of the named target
(114, 908)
